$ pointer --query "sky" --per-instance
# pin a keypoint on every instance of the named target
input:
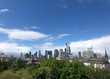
(48, 24)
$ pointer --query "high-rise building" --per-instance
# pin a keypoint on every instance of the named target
(30, 54)
(36, 54)
(67, 49)
(39, 54)
(61, 54)
(67, 52)
(48, 54)
(22, 57)
(89, 53)
(79, 54)
(56, 53)
(106, 55)
(3, 57)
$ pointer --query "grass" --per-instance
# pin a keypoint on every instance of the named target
(20, 74)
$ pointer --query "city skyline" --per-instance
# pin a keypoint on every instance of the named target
(49, 24)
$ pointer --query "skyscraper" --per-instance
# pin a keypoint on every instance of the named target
(36, 54)
(56, 53)
(61, 54)
(106, 55)
(39, 54)
(48, 54)
(89, 53)
(22, 57)
(79, 54)
(67, 51)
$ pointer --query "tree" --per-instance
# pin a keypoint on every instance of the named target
(20, 64)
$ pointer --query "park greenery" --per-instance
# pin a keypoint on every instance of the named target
(50, 69)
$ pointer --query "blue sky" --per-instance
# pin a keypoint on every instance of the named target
(41, 24)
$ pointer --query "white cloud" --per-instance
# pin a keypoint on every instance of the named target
(60, 36)
(31, 27)
(30, 34)
(98, 44)
(80, 3)
(23, 34)
(48, 46)
(90, 1)
(4, 10)
(35, 27)
(63, 35)
(13, 48)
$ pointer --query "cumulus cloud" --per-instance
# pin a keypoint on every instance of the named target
(23, 34)
(4, 10)
(48, 46)
(31, 27)
(98, 44)
(60, 36)
(80, 3)
(28, 34)
(86, 1)
(13, 48)
(63, 35)
(35, 27)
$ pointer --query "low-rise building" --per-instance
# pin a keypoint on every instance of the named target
(3, 57)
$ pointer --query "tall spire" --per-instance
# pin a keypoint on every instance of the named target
(67, 49)
(106, 55)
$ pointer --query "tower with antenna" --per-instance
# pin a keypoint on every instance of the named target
(106, 55)
(67, 51)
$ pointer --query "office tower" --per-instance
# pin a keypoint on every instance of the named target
(22, 56)
(56, 53)
(95, 55)
(36, 54)
(61, 54)
(89, 53)
(30, 54)
(79, 54)
(67, 49)
(3, 57)
(106, 55)
(39, 54)
(67, 52)
(48, 54)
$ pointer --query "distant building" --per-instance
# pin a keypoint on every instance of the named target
(67, 49)
(32, 58)
(61, 54)
(79, 54)
(36, 54)
(65, 54)
(48, 54)
(89, 53)
(98, 55)
(39, 54)
(92, 59)
(3, 57)
(56, 53)
(106, 55)
(22, 56)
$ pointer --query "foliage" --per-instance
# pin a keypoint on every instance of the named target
(10, 74)
(50, 69)
(53, 69)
